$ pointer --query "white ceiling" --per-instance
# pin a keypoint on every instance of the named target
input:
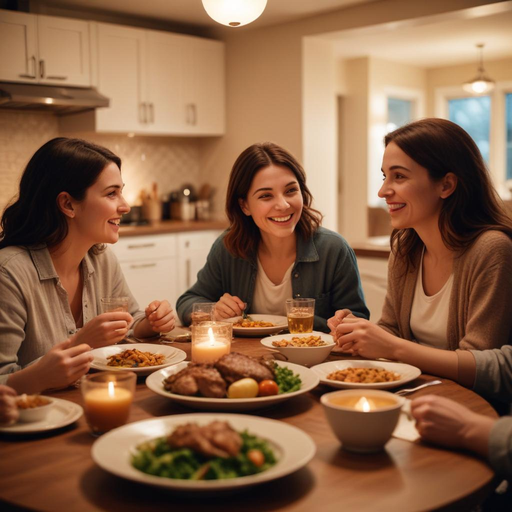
(191, 12)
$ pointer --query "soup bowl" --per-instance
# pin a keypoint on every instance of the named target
(362, 420)
(33, 408)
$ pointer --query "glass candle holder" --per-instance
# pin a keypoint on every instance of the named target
(202, 312)
(107, 399)
(210, 341)
(109, 304)
(300, 314)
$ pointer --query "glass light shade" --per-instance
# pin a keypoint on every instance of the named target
(480, 85)
(234, 13)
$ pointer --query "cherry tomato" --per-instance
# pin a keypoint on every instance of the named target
(243, 388)
(268, 388)
(256, 457)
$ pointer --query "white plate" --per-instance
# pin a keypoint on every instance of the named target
(62, 413)
(307, 356)
(155, 383)
(172, 356)
(406, 371)
(293, 448)
(280, 323)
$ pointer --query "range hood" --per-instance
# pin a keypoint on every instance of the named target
(60, 100)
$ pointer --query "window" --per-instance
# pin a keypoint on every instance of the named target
(474, 115)
(399, 113)
(508, 121)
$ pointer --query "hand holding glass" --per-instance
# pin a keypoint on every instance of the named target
(109, 304)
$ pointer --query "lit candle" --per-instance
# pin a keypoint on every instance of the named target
(107, 408)
(365, 405)
(210, 350)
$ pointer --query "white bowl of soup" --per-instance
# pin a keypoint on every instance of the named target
(362, 420)
(306, 349)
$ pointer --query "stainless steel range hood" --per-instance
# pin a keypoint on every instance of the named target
(60, 100)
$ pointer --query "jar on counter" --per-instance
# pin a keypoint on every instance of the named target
(203, 210)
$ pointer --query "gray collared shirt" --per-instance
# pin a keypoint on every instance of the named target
(34, 307)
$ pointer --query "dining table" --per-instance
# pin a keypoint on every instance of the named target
(54, 471)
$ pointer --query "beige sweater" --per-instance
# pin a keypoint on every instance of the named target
(480, 312)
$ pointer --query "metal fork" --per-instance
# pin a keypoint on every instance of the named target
(245, 316)
(403, 392)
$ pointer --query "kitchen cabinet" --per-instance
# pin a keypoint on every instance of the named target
(374, 279)
(44, 49)
(158, 83)
(149, 265)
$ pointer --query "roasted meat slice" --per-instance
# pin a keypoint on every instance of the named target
(216, 439)
(197, 378)
(235, 366)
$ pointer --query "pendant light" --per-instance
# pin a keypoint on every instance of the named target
(234, 13)
(481, 84)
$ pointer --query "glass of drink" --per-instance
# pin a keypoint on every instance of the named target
(300, 314)
(109, 304)
(107, 398)
(202, 312)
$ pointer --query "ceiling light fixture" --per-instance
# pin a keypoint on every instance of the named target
(234, 13)
(481, 83)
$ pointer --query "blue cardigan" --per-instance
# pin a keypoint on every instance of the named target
(325, 270)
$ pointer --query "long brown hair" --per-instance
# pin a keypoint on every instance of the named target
(60, 165)
(441, 146)
(243, 237)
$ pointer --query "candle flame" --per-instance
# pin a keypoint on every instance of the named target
(111, 389)
(212, 339)
(363, 404)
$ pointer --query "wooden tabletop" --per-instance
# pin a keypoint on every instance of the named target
(55, 471)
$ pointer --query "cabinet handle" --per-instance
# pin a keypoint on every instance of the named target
(41, 68)
(55, 77)
(187, 112)
(141, 246)
(151, 113)
(194, 112)
(143, 265)
(143, 113)
(188, 273)
(34, 64)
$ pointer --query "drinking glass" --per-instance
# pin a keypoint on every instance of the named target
(109, 304)
(202, 312)
(300, 314)
(107, 399)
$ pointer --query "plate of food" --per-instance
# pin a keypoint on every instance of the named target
(365, 374)
(307, 349)
(203, 452)
(235, 382)
(141, 358)
(61, 414)
(258, 325)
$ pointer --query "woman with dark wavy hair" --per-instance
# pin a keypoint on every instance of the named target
(54, 268)
(275, 248)
(450, 272)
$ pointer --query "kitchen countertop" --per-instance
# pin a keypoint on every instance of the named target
(375, 247)
(172, 226)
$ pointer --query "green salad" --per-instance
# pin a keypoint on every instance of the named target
(158, 458)
(287, 381)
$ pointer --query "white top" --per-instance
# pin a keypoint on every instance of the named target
(270, 298)
(429, 314)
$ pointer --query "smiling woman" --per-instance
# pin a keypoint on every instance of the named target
(54, 268)
(274, 248)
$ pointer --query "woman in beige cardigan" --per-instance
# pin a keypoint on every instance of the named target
(450, 272)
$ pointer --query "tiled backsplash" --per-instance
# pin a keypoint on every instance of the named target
(171, 162)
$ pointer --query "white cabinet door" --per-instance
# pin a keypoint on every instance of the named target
(122, 78)
(204, 86)
(63, 51)
(151, 280)
(165, 85)
(374, 279)
(18, 47)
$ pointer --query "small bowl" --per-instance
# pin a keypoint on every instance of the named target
(357, 430)
(306, 356)
(38, 413)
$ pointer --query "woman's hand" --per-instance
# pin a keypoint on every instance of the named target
(8, 408)
(445, 422)
(228, 306)
(105, 329)
(336, 320)
(361, 337)
(160, 316)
